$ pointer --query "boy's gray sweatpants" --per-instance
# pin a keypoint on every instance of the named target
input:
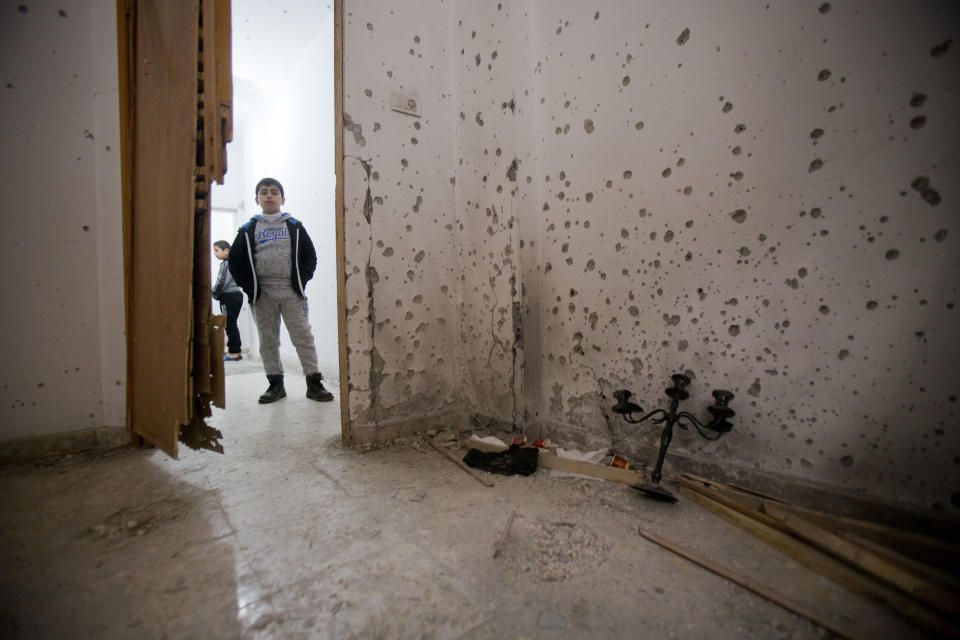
(283, 301)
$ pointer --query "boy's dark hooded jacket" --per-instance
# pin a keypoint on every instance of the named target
(302, 252)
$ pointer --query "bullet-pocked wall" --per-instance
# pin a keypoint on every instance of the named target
(755, 194)
(487, 225)
(761, 195)
(402, 273)
(63, 339)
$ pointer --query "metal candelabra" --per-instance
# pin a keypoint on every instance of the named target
(719, 425)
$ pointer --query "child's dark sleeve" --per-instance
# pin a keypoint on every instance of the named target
(239, 264)
(220, 283)
(308, 255)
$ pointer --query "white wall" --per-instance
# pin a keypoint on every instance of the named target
(62, 275)
(283, 106)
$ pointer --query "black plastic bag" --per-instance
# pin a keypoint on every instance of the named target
(515, 460)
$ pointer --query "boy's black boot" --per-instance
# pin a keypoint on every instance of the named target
(275, 391)
(315, 390)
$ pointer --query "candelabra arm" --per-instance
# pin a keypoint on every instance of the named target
(649, 416)
(699, 426)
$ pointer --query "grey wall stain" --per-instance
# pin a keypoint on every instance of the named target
(922, 185)
(355, 129)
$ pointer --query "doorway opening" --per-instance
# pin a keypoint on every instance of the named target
(284, 106)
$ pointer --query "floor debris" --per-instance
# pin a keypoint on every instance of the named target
(553, 551)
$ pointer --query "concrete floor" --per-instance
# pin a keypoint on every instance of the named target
(290, 535)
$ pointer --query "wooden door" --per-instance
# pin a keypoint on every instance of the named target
(176, 101)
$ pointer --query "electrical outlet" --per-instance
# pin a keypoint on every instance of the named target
(405, 103)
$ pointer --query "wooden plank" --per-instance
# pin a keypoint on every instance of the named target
(345, 425)
(924, 548)
(212, 140)
(732, 503)
(161, 245)
(460, 463)
(601, 471)
(126, 68)
(218, 391)
(756, 587)
(829, 567)
(201, 371)
(931, 594)
(930, 573)
(224, 71)
(549, 460)
(745, 496)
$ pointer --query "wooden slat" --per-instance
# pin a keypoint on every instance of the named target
(756, 587)
(829, 567)
(127, 71)
(931, 594)
(714, 493)
(924, 548)
(460, 463)
(345, 426)
(224, 73)
(202, 369)
(930, 573)
(212, 140)
(161, 243)
(745, 496)
(218, 389)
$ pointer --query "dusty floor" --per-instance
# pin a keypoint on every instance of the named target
(290, 535)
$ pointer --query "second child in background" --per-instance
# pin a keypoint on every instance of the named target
(230, 296)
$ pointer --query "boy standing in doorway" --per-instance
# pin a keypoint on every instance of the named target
(272, 259)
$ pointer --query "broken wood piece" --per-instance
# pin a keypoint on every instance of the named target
(751, 504)
(935, 595)
(924, 548)
(730, 502)
(921, 568)
(754, 586)
(826, 565)
(502, 541)
(553, 461)
(460, 463)
(603, 472)
(932, 551)
(726, 485)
